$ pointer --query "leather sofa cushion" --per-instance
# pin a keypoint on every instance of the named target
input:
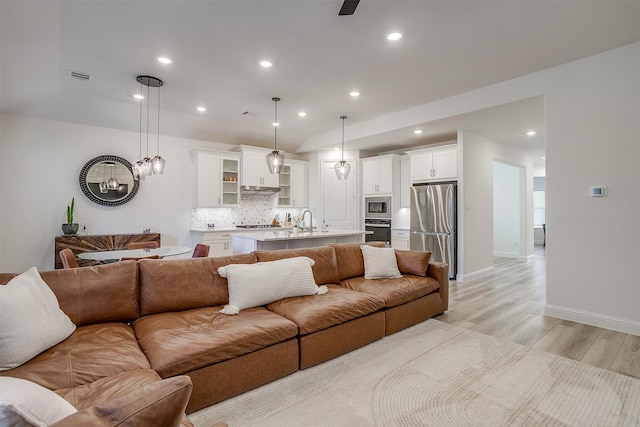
(394, 292)
(92, 352)
(163, 283)
(350, 259)
(317, 312)
(413, 262)
(325, 270)
(132, 398)
(87, 298)
(179, 342)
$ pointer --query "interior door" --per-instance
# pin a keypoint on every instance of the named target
(339, 197)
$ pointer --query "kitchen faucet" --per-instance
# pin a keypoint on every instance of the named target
(304, 212)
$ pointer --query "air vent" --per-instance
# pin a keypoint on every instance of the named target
(80, 76)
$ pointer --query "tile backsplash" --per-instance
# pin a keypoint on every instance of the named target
(253, 209)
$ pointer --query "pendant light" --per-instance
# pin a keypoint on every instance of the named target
(147, 166)
(275, 159)
(342, 168)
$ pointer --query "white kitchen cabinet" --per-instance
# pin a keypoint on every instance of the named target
(400, 240)
(255, 172)
(434, 164)
(220, 242)
(216, 178)
(380, 175)
(405, 182)
(294, 184)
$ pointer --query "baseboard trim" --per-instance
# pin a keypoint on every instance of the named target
(526, 258)
(504, 254)
(475, 274)
(593, 319)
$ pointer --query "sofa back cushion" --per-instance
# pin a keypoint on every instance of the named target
(183, 284)
(350, 259)
(97, 294)
(325, 269)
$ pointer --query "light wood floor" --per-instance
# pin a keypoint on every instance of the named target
(509, 304)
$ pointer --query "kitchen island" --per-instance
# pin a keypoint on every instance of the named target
(287, 239)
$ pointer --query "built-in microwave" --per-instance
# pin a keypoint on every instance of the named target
(377, 207)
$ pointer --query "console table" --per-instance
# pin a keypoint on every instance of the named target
(97, 242)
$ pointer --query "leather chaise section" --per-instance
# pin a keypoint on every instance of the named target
(178, 342)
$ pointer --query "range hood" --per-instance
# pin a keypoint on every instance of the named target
(252, 189)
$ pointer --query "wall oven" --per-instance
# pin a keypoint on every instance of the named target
(381, 229)
(377, 207)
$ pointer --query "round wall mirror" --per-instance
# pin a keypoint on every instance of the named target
(108, 180)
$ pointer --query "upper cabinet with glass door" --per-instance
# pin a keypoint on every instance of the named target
(293, 184)
(216, 178)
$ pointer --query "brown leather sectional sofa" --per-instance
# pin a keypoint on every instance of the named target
(138, 322)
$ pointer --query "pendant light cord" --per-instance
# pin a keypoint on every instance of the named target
(141, 102)
(343, 117)
(148, 108)
(158, 145)
(275, 125)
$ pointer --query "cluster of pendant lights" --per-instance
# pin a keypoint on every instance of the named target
(275, 159)
(149, 166)
(110, 183)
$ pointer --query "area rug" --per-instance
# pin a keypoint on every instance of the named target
(436, 374)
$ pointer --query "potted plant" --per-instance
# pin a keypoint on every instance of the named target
(70, 228)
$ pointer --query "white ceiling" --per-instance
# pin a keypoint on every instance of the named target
(449, 47)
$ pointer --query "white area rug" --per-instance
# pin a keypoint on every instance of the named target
(436, 374)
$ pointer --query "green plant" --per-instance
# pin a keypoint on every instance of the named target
(70, 211)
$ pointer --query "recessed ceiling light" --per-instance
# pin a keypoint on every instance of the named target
(354, 93)
(265, 63)
(393, 36)
(417, 131)
(201, 109)
(138, 96)
(302, 114)
(531, 133)
(164, 60)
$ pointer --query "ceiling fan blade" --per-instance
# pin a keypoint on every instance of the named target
(348, 7)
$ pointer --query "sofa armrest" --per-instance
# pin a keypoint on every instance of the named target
(440, 272)
(161, 403)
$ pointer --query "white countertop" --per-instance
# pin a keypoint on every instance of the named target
(269, 236)
(237, 229)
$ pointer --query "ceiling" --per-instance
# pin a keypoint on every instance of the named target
(449, 47)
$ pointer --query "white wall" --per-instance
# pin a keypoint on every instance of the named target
(593, 138)
(40, 164)
(506, 210)
(475, 217)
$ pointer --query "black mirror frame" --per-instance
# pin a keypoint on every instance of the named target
(91, 196)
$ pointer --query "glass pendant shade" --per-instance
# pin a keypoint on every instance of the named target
(138, 170)
(158, 165)
(104, 188)
(275, 161)
(147, 166)
(342, 169)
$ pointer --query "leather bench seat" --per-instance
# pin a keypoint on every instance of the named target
(394, 292)
(180, 342)
(317, 312)
(91, 353)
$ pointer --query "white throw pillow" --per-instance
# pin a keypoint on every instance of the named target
(25, 403)
(31, 319)
(253, 285)
(380, 263)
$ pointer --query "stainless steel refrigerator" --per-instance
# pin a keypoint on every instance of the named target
(433, 222)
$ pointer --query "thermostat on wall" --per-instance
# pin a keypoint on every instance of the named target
(599, 191)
